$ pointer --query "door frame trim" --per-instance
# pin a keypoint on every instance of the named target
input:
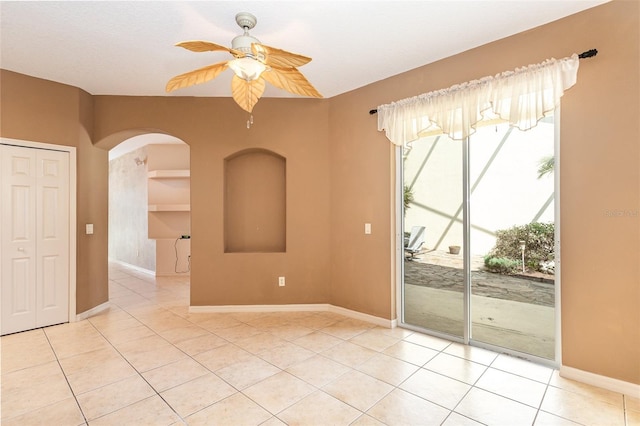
(72, 209)
(557, 227)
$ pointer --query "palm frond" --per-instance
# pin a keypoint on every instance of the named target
(546, 166)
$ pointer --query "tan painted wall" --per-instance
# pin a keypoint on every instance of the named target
(42, 111)
(214, 129)
(600, 162)
(340, 176)
(361, 192)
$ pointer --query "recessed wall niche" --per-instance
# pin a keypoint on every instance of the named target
(255, 202)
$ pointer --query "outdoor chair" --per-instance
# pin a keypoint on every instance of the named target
(416, 240)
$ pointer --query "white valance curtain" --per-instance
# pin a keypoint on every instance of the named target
(521, 97)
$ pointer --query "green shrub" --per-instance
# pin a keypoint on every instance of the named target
(501, 265)
(538, 239)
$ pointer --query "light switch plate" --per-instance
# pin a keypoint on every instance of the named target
(367, 228)
(89, 228)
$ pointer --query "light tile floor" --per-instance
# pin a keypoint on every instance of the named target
(148, 361)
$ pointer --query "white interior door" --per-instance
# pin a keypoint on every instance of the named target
(18, 239)
(35, 238)
(52, 231)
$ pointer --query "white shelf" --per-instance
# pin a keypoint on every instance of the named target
(168, 201)
(168, 174)
(169, 207)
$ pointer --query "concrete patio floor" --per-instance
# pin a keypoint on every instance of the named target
(510, 312)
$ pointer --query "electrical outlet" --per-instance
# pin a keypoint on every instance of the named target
(281, 281)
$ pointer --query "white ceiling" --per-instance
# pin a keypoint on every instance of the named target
(127, 47)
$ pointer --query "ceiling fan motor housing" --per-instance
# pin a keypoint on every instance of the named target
(243, 43)
(246, 21)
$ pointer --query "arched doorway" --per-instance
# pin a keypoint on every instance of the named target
(149, 204)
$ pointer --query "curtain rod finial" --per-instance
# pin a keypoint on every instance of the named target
(588, 54)
(373, 111)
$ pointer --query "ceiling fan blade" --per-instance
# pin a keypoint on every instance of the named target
(207, 46)
(246, 93)
(278, 57)
(198, 76)
(291, 80)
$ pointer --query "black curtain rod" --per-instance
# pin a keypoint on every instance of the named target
(588, 54)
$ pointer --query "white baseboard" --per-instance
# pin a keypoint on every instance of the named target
(93, 311)
(172, 274)
(319, 307)
(134, 267)
(604, 382)
(258, 308)
(382, 322)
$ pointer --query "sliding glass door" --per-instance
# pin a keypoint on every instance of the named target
(434, 279)
(485, 271)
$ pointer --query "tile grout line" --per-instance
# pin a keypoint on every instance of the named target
(284, 370)
(134, 368)
(64, 374)
(195, 360)
(441, 351)
(474, 385)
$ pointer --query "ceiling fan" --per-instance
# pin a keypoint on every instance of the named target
(254, 64)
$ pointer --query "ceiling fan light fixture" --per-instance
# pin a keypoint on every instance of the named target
(247, 68)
